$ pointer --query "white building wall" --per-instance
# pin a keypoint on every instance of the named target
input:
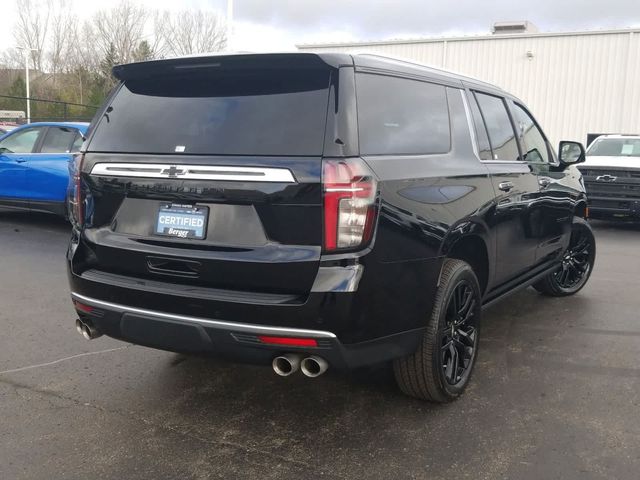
(574, 83)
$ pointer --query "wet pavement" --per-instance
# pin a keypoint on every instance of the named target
(555, 394)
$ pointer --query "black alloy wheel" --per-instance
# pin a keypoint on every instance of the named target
(576, 261)
(576, 266)
(459, 338)
(440, 368)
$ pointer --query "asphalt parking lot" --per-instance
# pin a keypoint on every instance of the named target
(556, 392)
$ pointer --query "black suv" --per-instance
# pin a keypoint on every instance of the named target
(314, 210)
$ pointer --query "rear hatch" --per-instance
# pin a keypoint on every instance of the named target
(207, 172)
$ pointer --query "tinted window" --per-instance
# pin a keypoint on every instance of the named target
(484, 147)
(400, 116)
(499, 128)
(534, 145)
(58, 140)
(20, 142)
(244, 112)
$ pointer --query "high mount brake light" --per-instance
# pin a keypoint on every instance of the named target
(349, 203)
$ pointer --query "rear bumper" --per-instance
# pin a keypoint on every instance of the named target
(233, 340)
(363, 310)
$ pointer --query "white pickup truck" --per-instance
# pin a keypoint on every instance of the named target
(611, 175)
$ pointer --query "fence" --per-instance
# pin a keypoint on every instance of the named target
(46, 110)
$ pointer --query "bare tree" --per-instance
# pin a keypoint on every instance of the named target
(83, 56)
(188, 31)
(62, 38)
(120, 28)
(31, 28)
(12, 58)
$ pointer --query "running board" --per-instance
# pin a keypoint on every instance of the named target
(520, 286)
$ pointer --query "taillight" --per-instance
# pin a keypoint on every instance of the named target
(76, 199)
(349, 203)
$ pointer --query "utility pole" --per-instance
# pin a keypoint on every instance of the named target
(27, 51)
(230, 25)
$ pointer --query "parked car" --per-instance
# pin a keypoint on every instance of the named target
(316, 210)
(34, 165)
(612, 177)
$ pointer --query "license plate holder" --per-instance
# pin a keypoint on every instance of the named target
(182, 221)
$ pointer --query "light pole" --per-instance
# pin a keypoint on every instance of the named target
(26, 74)
(229, 25)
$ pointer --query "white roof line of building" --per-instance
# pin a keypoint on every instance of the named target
(500, 36)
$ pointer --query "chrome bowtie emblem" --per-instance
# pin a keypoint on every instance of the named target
(606, 178)
(173, 171)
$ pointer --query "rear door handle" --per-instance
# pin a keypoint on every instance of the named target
(505, 186)
(20, 160)
(544, 182)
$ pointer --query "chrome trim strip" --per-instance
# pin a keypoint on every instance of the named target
(231, 326)
(472, 128)
(194, 172)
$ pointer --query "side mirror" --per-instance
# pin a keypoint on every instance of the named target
(571, 153)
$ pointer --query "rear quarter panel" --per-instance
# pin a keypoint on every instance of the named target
(426, 203)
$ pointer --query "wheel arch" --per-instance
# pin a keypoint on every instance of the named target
(470, 242)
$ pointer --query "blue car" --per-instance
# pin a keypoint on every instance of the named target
(34, 165)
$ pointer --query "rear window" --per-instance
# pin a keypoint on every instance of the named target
(398, 116)
(279, 112)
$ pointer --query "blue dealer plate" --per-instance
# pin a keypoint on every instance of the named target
(182, 221)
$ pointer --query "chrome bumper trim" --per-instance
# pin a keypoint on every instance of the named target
(222, 325)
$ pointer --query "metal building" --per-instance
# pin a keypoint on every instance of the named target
(575, 83)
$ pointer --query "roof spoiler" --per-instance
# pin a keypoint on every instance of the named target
(228, 62)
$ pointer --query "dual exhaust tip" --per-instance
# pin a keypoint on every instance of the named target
(311, 366)
(89, 332)
(284, 365)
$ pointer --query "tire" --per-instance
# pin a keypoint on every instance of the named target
(578, 261)
(428, 373)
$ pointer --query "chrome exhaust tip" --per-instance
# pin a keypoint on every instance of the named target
(314, 366)
(285, 365)
(86, 330)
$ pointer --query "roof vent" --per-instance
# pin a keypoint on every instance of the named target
(501, 28)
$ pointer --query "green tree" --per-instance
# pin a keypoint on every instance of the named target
(108, 62)
(143, 52)
(103, 80)
(17, 89)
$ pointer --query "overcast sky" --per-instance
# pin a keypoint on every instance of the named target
(261, 25)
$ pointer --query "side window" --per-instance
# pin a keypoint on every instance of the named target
(20, 142)
(534, 145)
(401, 116)
(499, 127)
(484, 147)
(77, 143)
(58, 140)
